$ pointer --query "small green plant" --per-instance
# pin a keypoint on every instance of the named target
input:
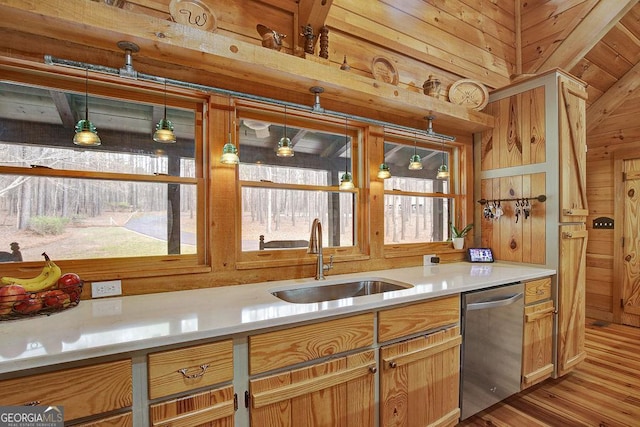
(48, 225)
(460, 233)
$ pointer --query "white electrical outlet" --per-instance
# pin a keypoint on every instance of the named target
(426, 259)
(106, 289)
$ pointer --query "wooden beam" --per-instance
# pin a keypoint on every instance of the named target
(314, 13)
(251, 65)
(61, 102)
(587, 34)
(613, 98)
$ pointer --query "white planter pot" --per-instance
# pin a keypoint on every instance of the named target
(458, 242)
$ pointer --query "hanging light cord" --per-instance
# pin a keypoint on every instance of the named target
(86, 94)
(346, 140)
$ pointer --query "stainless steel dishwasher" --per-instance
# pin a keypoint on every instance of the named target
(492, 322)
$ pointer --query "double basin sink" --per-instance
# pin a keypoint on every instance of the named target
(335, 291)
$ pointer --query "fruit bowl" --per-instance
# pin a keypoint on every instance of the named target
(49, 292)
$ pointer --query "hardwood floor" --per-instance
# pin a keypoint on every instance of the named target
(602, 391)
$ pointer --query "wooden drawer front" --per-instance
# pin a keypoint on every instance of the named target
(214, 408)
(185, 369)
(420, 317)
(84, 391)
(273, 350)
(121, 420)
(339, 392)
(537, 290)
(420, 380)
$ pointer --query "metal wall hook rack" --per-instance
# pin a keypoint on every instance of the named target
(541, 198)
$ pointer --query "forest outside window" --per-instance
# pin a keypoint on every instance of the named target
(418, 206)
(281, 196)
(129, 197)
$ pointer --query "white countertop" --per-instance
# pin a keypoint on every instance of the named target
(110, 326)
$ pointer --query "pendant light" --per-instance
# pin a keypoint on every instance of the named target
(164, 129)
(443, 170)
(346, 180)
(285, 149)
(229, 151)
(86, 133)
(384, 172)
(415, 163)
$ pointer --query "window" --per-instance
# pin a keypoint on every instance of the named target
(129, 197)
(281, 196)
(418, 206)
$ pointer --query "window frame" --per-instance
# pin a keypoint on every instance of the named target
(457, 166)
(115, 87)
(274, 113)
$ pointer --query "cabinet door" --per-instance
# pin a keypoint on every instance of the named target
(213, 408)
(420, 381)
(573, 151)
(537, 343)
(571, 297)
(336, 393)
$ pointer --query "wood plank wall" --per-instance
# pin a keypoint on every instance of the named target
(545, 24)
(450, 39)
(620, 131)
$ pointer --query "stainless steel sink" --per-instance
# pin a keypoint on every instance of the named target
(336, 291)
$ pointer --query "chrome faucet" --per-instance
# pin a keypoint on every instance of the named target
(315, 247)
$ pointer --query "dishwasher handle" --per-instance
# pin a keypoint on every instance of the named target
(495, 303)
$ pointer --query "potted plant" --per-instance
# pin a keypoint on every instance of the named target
(457, 236)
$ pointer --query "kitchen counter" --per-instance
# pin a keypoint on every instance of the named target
(102, 327)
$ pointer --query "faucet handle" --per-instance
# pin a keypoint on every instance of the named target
(330, 265)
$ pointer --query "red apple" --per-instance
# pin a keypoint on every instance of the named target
(55, 298)
(9, 296)
(71, 284)
(29, 305)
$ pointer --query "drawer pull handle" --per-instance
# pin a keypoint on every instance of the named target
(393, 364)
(373, 369)
(203, 369)
(32, 403)
(539, 292)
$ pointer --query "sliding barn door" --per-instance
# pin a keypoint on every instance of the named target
(631, 244)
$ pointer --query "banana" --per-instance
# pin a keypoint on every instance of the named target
(47, 278)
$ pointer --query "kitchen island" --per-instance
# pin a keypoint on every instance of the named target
(227, 321)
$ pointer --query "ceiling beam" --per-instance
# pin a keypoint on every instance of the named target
(314, 13)
(587, 34)
(61, 102)
(613, 98)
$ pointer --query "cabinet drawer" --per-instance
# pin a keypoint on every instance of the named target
(120, 420)
(83, 392)
(187, 368)
(200, 409)
(273, 350)
(537, 290)
(420, 317)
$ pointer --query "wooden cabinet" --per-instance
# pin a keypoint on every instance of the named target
(338, 392)
(571, 297)
(538, 148)
(420, 380)
(330, 388)
(213, 408)
(186, 369)
(420, 376)
(287, 347)
(83, 392)
(537, 340)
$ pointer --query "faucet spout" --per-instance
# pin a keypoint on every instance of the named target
(315, 247)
